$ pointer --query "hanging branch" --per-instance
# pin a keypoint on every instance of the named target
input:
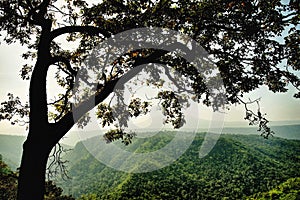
(57, 165)
(257, 118)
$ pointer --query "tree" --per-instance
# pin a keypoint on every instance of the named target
(9, 179)
(239, 35)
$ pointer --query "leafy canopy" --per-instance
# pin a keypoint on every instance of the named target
(240, 37)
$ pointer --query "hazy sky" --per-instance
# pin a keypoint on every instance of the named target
(279, 107)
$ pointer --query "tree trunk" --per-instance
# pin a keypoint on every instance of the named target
(31, 184)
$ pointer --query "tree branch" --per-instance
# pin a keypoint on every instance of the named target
(66, 62)
(91, 30)
(67, 121)
(257, 118)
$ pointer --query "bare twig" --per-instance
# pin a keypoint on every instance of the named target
(256, 118)
(57, 165)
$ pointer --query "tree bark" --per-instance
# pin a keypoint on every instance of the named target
(31, 184)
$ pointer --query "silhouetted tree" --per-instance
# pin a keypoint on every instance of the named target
(8, 186)
(239, 35)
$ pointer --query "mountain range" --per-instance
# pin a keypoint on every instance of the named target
(238, 167)
(241, 165)
(11, 145)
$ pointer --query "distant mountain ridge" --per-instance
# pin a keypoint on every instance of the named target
(11, 145)
(285, 131)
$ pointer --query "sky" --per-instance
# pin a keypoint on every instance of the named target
(279, 107)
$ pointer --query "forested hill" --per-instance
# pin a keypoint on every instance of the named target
(289, 190)
(239, 166)
(11, 145)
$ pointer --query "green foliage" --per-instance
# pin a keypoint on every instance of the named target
(55, 193)
(8, 182)
(238, 167)
(13, 110)
(88, 197)
(136, 107)
(289, 190)
(104, 112)
(118, 134)
(171, 107)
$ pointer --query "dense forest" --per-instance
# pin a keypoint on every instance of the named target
(288, 190)
(238, 167)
